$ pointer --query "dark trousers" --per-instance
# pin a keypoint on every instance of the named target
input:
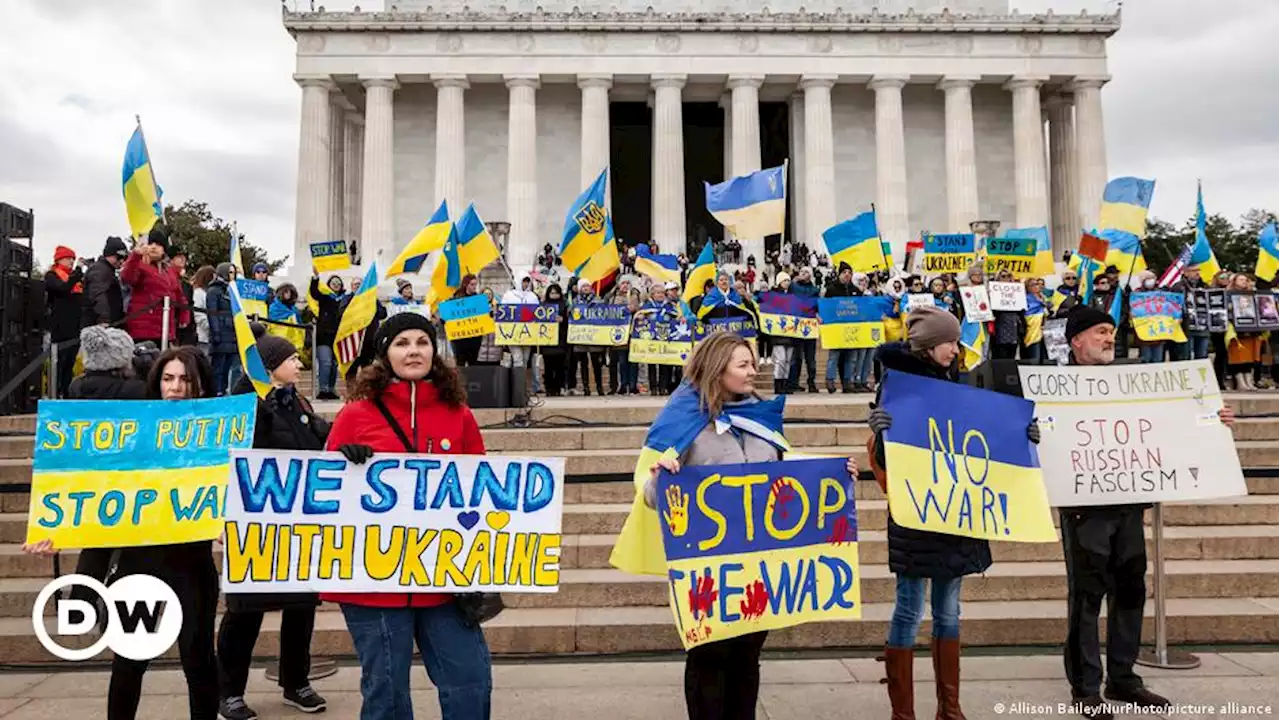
(467, 351)
(1219, 343)
(722, 679)
(659, 379)
(554, 372)
(66, 368)
(617, 372)
(222, 363)
(806, 352)
(596, 358)
(1106, 554)
(239, 633)
(197, 590)
(1000, 351)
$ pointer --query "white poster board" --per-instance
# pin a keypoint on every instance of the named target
(397, 308)
(977, 306)
(315, 522)
(1008, 296)
(919, 300)
(1119, 434)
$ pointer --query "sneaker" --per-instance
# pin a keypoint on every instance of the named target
(233, 708)
(1094, 707)
(305, 699)
(1139, 696)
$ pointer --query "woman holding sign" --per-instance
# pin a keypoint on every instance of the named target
(410, 400)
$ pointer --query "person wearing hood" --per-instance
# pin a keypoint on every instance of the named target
(426, 412)
(224, 353)
(918, 557)
(806, 349)
(557, 356)
(147, 274)
(328, 316)
(523, 294)
(782, 348)
(660, 376)
(64, 300)
(842, 285)
(284, 307)
(103, 297)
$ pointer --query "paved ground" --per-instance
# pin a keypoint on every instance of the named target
(806, 689)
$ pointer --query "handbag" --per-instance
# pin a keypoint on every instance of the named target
(476, 607)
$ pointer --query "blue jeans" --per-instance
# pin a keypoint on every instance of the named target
(326, 368)
(1151, 353)
(456, 657)
(222, 363)
(845, 360)
(908, 610)
(1198, 346)
(1033, 353)
(864, 359)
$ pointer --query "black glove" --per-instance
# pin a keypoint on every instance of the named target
(356, 453)
(879, 420)
(1033, 431)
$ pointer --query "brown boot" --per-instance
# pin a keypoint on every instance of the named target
(946, 675)
(897, 668)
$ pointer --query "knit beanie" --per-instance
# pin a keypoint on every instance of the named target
(62, 251)
(1085, 317)
(274, 350)
(105, 348)
(398, 323)
(929, 327)
(158, 236)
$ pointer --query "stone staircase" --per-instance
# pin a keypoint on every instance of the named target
(1221, 555)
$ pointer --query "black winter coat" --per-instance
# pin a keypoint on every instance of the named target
(328, 315)
(920, 553)
(103, 299)
(63, 304)
(222, 326)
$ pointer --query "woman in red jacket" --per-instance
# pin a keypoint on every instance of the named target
(150, 278)
(409, 400)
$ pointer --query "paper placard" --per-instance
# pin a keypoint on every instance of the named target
(467, 317)
(527, 324)
(919, 300)
(1008, 296)
(977, 306)
(1055, 340)
(330, 256)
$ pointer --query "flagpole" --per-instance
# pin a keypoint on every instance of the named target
(782, 238)
(155, 185)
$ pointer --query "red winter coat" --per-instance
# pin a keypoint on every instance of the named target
(432, 426)
(148, 283)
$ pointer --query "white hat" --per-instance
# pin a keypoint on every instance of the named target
(671, 285)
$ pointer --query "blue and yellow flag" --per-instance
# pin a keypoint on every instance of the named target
(447, 275)
(1202, 251)
(602, 268)
(1042, 263)
(715, 299)
(235, 254)
(1034, 315)
(704, 269)
(141, 193)
(475, 245)
(639, 547)
(751, 205)
(586, 226)
(355, 320)
(973, 343)
(430, 238)
(250, 359)
(1268, 257)
(1157, 315)
(857, 242)
(853, 322)
(1124, 251)
(1123, 222)
(958, 461)
(663, 268)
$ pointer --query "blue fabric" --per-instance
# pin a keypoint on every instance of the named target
(1151, 353)
(683, 417)
(714, 299)
(326, 368)
(1199, 347)
(222, 363)
(455, 655)
(908, 610)
(864, 361)
(282, 312)
(222, 327)
(844, 359)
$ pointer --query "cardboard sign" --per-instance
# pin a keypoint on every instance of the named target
(853, 322)
(1197, 311)
(1017, 255)
(1008, 296)
(314, 522)
(959, 461)
(787, 315)
(759, 547)
(948, 253)
(1132, 433)
(253, 296)
(661, 338)
(330, 256)
(467, 317)
(527, 325)
(124, 473)
(1157, 315)
(977, 306)
(1055, 340)
(419, 308)
(1253, 311)
(607, 325)
(742, 326)
(919, 300)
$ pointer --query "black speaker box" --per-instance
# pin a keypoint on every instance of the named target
(488, 386)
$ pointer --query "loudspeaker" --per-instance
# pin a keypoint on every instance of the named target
(519, 387)
(488, 386)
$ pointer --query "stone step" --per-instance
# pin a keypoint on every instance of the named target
(612, 631)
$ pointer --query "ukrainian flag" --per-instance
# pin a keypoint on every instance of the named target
(1034, 315)
(430, 238)
(856, 242)
(475, 245)
(1268, 262)
(236, 256)
(586, 226)
(355, 320)
(604, 264)
(1043, 264)
(141, 194)
(715, 299)
(1123, 222)
(250, 359)
(752, 205)
(663, 268)
(1202, 251)
(973, 341)
(447, 275)
(639, 547)
(703, 269)
(1124, 250)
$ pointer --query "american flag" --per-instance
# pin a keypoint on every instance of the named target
(348, 348)
(1174, 273)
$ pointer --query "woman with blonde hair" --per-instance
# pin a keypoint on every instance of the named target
(715, 417)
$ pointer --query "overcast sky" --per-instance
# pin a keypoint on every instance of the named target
(1196, 93)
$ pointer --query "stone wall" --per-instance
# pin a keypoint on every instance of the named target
(723, 6)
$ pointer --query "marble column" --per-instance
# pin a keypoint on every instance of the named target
(796, 205)
(726, 104)
(353, 159)
(595, 126)
(522, 170)
(819, 152)
(891, 163)
(451, 142)
(1091, 148)
(1030, 181)
(311, 222)
(377, 177)
(337, 164)
(745, 90)
(962, 158)
(1064, 208)
(668, 164)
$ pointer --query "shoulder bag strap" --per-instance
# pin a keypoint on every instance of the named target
(408, 446)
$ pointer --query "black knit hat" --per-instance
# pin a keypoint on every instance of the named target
(158, 236)
(1085, 317)
(275, 350)
(398, 323)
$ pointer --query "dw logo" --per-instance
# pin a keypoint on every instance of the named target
(144, 617)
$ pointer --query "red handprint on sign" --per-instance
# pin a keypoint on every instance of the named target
(756, 602)
(782, 494)
(702, 595)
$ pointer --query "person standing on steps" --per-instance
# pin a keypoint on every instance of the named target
(64, 300)
(1106, 555)
(328, 316)
(920, 557)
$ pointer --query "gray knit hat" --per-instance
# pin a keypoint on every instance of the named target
(929, 327)
(105, 348)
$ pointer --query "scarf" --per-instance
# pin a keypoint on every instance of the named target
(63, 274)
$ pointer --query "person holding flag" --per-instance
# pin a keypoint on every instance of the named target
(327, 299)
(361, 313)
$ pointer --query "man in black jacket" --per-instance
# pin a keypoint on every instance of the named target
(62, 289)
(103, 299)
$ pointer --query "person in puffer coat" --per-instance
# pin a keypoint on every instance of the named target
(917, 556)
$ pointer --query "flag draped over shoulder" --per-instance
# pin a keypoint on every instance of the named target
(1122, 222)
(973, 341)
(751, 205)
(586, 226)
(1268, 257)
(430, 238)
(141, 193)
(1034, 315)
(476, 248)
(250, 359)
(355, 320)
(639, 547)
(704, 269)
(857, 242)
(1202, 251)
(664, 268)
(714, 299)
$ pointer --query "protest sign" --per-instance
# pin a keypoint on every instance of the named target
(467, 317)
(1008, 296)
(1157, 315)
(787, 315)
(1268, 319)
(599, 325)
(919, 300)
(1055, 340)
(1219, 316)
(1132, 433)
(1197, 311)
(976, 305)
(527, 325)
(853, 322)
(661, 338)
(1017, 255)
(124, 473)
(419, 308)
(759, 547)
(959, 461)
(253, 296)
(948, 253)
(741, 326)
(330, 256)
(314, 522)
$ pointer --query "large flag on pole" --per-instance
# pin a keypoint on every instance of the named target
(752, 205)
(1123, 222)
(355, 320)
(857, 242)
(430, 238)
(1268, 262)
(1201, 251)
(586, 226)
(475, 246)
(141, 193)
(447, 275)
